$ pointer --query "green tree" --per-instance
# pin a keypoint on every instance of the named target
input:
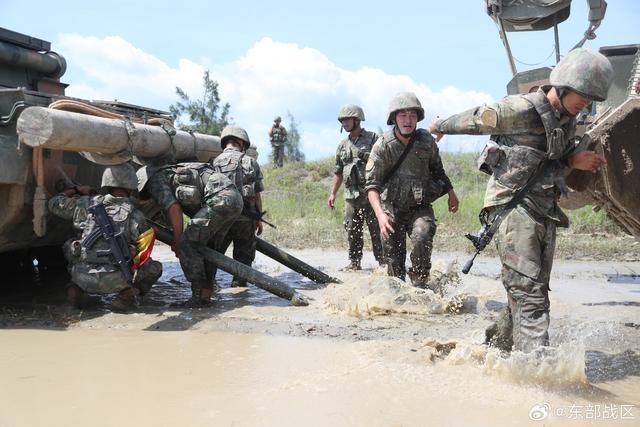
(292, 149)
(205, 115)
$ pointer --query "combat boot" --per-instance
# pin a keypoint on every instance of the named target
(125, 301)
(204, 297)
(74, 295)
(417, 280)
(500, 333)
(77, 298)
(422, 281)
(201, 295)
(353, 266)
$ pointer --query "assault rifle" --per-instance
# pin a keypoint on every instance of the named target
(484, 236)
(118, 246)
(489, 228)
(251, 212)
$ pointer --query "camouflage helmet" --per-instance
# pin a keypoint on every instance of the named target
(121, 176)
(404, 101)
(351, 111)
(277, 119)
(235, 132)
(585, 72)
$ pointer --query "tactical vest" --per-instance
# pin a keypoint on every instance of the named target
(277, 134)
(412, 184)
(354, 156)
(189, 181)
(516, 157)
(120, 214)
(230, 164)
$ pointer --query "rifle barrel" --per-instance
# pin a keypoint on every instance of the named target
(469, 264)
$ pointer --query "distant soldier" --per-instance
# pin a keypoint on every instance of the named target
(212, 203)
(278, 138)
(113, 253)
(351, 157)
(404, 176)
(532, 139)
(245, 173)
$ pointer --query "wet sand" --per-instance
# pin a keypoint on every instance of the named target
(366, 352)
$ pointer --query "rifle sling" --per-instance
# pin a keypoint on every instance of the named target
(397, 164)
(519, 196)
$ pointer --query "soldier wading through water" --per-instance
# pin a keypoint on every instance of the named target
(531, 133)
(245, 173)
(351, 157)
(404, 176)
(209, 199)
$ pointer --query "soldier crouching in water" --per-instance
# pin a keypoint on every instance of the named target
(212, 203)
(94, 266)
(245, 173)
(405, 172)
(351, 157)
(530, 132)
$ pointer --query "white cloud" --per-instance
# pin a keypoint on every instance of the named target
(271, 78)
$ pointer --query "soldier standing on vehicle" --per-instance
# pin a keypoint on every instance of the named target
(123, 266)
(245, 173)
(404, 176)
(530, 132)
(212, 203)
(351, 157)
(278, 138)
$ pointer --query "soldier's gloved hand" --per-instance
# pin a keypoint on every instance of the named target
(433, 130)
(259, 228)
(331, 201)
(587, 161)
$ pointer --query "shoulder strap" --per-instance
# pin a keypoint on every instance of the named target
(540, 170)
(397, 164)
(519, 196)
(544, 110)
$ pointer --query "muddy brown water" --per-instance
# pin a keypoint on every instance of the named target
(371, 351)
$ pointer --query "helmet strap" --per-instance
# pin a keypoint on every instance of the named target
(561, 92)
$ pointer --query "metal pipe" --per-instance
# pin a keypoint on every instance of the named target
(505, 41)
(556, 37)
(293, 263)
(242, 271)
(50, 64)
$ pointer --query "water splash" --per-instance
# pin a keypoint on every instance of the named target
(378, 294)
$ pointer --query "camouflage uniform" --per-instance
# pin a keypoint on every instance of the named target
(526, 238)
(242, 233)
(351, 158)
(278, 138)
(210, 200)
(90, 272)
(407, 198)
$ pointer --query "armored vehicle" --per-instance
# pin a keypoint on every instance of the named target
(611, 127)
(34, 111)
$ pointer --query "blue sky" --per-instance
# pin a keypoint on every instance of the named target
(306, 58)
